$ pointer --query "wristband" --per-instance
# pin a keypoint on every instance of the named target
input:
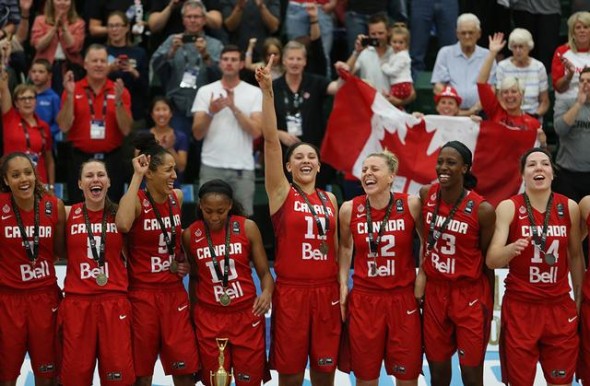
(313, 22)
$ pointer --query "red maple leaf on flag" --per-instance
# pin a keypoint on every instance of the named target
(414, 161)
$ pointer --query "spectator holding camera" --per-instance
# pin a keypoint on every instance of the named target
(371, 53)
(127, 62)
(185, 62)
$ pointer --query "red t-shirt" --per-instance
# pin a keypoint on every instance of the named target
(82, 268)
(149, 260)
(496, 112)
(298, 254)
(17, 272)
(209, 286)
(529, 276)
(394, 265)
(457, 253)
(79, 134)
(39, 139)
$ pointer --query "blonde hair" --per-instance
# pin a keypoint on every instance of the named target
(389, 158)
(582, 17)
(509, 82)
(520, 36)
(400, 29)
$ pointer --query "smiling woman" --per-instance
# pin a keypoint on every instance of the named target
(537, 286)
(506, 108)
(30, 134)
(458, 227)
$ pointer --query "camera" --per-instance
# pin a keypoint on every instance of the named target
(374, 42)
(189, 38)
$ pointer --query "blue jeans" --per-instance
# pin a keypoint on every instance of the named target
(356, 24)
(443, 14)
(297, 24)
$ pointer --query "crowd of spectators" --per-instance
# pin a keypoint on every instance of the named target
(96, 68)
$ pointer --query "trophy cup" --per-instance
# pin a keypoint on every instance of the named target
(221, 377)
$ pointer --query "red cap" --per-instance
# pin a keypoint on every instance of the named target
(450, 92)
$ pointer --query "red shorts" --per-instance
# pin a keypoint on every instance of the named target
(457, 317)
(28, 322)
(538, 332)
(96, 327)
(385, 326)
(161, 325)
(401, 90)
(306, 323)
(583, 370)
(245, 352)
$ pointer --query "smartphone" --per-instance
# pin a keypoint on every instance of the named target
(189, 38)
(374, 42)
(123, 58)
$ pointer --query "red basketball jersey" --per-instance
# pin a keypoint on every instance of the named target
(298, 254)
(393, 265)
(209, 287)
(149, 260)
(586, 285)
(17, 272)
(457, 253)
(530, 277)
(82, 268)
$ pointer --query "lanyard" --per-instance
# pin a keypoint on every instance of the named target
(170, 241)
(540, 240)
(374, 242)
(224, 277)
(25, 126)
(97, 256)
(293, 103)
(433, 233)
(91, 104)
(321, 230)
(32, 253)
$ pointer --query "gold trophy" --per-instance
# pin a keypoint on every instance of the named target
(221, 377)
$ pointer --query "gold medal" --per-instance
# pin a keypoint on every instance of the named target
(324, 248)
(102, 279)
(224, 299)
(174, 266)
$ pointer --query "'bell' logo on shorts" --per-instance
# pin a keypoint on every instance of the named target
(325, 362)
(399, 369)
(558, 373)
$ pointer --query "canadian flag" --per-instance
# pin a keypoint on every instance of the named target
(363, 122)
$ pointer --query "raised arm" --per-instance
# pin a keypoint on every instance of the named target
(496, 45)
(129, 206)
(276, 183)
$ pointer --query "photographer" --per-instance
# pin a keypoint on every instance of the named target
(370, 52)
(184, 62)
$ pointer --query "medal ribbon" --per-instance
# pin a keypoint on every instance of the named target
(98, 256)
(33, 253)
(169, 240)
(541, 241)
(321, 230)
(225, 275)
(374, 243)
(433, 233)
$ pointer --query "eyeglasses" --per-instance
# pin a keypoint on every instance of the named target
(114, 26)
(29, 98)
